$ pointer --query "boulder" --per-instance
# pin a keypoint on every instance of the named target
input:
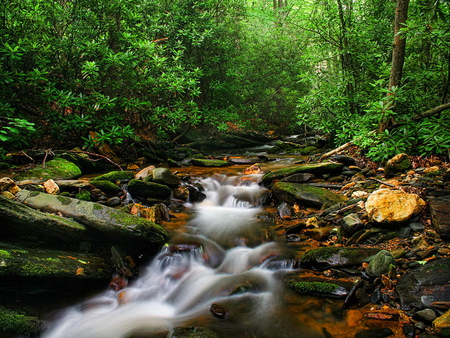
(143, 189)
(305, 194)
(426, 286)
(397, 164)
(440, 215)
(314, 168)
(55, 169)
(165, 176)
(114, 225)
(393, 206)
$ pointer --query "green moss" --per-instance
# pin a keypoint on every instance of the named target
(152, 230)
(115, 176)
(17, 322)
(107, 187)
(4, 253)
(57, 168)
(64, 200)
(33, 270)
(314, 287)
(83, 195)
(209, 163)
(97, 206)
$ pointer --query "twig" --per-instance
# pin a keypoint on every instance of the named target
(27, 155)
(47, 152)
(94, 154)
(381, 182)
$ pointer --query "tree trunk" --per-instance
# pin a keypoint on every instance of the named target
(398, 59)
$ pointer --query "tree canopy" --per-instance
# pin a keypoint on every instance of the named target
(133, 71)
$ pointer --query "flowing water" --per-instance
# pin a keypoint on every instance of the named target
(224, 270)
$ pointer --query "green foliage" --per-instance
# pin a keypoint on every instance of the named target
(15, 131)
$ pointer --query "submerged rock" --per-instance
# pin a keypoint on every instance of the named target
(393, 206)
(306, 194)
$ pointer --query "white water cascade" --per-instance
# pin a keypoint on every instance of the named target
(232, 268)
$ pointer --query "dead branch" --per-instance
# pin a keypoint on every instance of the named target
(94, 154)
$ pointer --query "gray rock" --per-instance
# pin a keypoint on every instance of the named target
(351, 223)
(427, 315)
(165, 176)
(440, 215)
(380, 263)
(425, 286)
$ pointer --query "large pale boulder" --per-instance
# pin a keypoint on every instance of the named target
(393, 206)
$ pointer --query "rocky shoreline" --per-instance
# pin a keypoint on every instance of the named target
(378, 237)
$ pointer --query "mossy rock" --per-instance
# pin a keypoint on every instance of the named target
(18, 322)
(314, 168)
(199, 162)
(29, 262)
(335, 257)
(194, 332)
(19, 220)
(82, 161)
(321, 288)
(164, 176)
(112, 225)
(115, 176)
(108, 187)
(143, 189)
(306, 194)
(58, 168)
(84, 195)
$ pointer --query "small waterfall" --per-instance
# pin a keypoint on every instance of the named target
(221, 262)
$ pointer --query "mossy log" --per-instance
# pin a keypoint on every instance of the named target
(115, 224)
(30, 262)
(21, 220)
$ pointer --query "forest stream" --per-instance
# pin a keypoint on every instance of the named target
(234, 266)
